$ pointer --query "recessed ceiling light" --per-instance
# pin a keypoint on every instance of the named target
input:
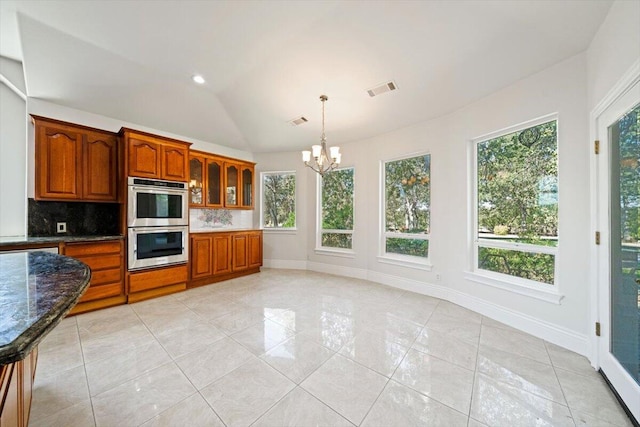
(198, 79)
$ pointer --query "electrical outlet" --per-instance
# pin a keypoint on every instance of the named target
(438, 277)
(61, 227)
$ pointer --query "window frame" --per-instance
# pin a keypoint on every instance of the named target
(540, 290)
(283, 230)
(422, 263)
(328, 250)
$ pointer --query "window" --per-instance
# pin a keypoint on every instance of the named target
(517, 204)
(407, 208)
(336, 209)
(278, 200)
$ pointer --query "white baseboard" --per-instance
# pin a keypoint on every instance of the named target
(356, 273)
(547, 331)
(285, 264)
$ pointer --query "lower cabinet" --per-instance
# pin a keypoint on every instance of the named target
(16, 384)
(156, 282)
(224, 255)
(106, 260)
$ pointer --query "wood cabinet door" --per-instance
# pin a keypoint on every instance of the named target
(175, 163)
(58, 163)
(221, 253)
(197, 179)
(201, 257)
(246, 183)
(100, 167)
(255, 249)
(214, 183)
(240, 252)
(144, 158)
(231, 188)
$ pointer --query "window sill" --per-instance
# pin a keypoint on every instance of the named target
(550, 295)
(343, 253)
(280, 230)
(405, 262)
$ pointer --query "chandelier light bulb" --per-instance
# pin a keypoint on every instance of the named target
(323, 161)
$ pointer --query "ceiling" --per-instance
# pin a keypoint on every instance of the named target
(267, 62)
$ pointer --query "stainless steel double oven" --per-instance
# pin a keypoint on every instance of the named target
(158, 223)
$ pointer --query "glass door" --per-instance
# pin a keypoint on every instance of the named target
(619, 281)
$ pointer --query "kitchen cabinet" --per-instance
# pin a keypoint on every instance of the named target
(106, 260)
(156, 157)
(218, 182)
(16, 385)
(224, 255)
(156, 282)
(74, 163)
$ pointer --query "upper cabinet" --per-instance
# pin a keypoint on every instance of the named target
(73, 162)
(150, 156)
(218, 182)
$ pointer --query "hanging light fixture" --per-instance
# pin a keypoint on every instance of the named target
(323, 161)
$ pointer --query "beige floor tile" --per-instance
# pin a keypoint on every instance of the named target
(445, 347)
(54, 393)
(443, 381)
(204, 366)
(570, 361)
(297, 357)
(401, 406)
(246, 393)
(515, 342)
(105, 346)
(374, 352)
(454, 310)
(498, 404)
(455, 327)
(239, 319)
(193, 411)
(299, 408)
(263, 336)
(347, 387)
(188, 336)
(142, 398)
(78, 415)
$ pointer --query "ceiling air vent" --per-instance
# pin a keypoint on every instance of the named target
(298, 121)
(380, 89)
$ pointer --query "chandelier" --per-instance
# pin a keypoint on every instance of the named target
(323, 161)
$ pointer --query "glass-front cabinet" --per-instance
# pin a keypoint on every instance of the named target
(214, 182)
(217, 182)
(232, 180)
(247, 186)
(196, 181)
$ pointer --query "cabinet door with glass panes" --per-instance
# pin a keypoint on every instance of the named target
(247, 193)
(232, 185)
(197, 174)
(214, 185)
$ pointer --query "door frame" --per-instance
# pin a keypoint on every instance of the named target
(600, 210)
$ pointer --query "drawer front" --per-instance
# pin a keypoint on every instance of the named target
(106, 276)
(102, 291)
(82, 249)
(101, 262)
(145, 280)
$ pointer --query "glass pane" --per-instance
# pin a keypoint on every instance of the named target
(195, 183)
(279, 201)
(214, 179)
(247, 187)
(625, 242)
(408, 194)
(527, 265)
(413, 247)
(337, 240)
(518, 186)
(154, 245)
(337, 200)
(232, 186)
(152, 205)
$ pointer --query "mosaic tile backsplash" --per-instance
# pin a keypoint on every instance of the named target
(202, 219)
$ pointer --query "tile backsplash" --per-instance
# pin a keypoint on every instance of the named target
(200, 219)
(83, 219)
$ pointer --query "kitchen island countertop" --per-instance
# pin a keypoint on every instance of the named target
(37, 290)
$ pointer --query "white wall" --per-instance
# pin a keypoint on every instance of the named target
(560, 89)
(13, 137)
(613, 50)
(13, 163)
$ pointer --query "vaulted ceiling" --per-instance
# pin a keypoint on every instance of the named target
(267, 62)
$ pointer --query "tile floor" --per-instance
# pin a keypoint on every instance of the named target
(294, 348)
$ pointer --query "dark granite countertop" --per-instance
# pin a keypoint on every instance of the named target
(27, 240)
(37, 290)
